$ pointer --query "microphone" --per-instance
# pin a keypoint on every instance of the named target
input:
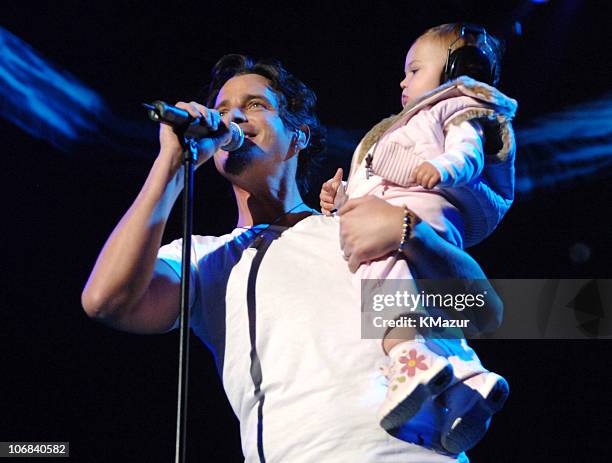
(164, 113)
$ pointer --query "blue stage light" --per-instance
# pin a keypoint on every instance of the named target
(45, 101)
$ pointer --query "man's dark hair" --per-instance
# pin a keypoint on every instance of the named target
(296, 104)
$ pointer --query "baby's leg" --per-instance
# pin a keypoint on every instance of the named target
(447, 370)
(421, 369)
(415, 374)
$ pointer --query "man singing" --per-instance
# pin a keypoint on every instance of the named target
(273, 299)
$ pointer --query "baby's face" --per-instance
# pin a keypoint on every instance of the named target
(424, 65)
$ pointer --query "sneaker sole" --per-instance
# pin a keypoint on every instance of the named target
(471, 426)
(411, 405)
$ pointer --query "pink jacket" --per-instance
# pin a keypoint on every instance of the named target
(482, 189)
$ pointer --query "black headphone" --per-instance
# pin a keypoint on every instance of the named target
(470, 60)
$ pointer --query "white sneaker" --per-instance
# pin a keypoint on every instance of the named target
(415, 374)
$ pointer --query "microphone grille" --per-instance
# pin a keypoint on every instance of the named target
(236, 138)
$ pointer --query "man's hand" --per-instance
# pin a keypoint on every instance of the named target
(169, 140)
(328, 193)
(425, 175)
(369, 228)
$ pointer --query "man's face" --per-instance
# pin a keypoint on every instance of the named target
(250, 102)
(423, 68)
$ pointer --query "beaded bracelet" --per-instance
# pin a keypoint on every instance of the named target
(408, 224)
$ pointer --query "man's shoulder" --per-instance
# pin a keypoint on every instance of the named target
(214, 241)
(201, 244)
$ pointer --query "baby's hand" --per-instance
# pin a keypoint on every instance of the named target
(328, 193)
(425, 175)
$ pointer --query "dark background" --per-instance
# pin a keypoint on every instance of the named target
(112, 395)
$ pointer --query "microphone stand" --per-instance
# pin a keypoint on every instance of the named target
(161, 112)
(190, 156)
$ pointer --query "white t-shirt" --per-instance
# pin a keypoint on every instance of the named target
(312, 391)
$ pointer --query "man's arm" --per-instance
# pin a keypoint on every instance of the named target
(434, 257)
(129, 288)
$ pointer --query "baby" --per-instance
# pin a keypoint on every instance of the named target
(447, 159)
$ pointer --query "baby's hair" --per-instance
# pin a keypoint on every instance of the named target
(446, 34)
